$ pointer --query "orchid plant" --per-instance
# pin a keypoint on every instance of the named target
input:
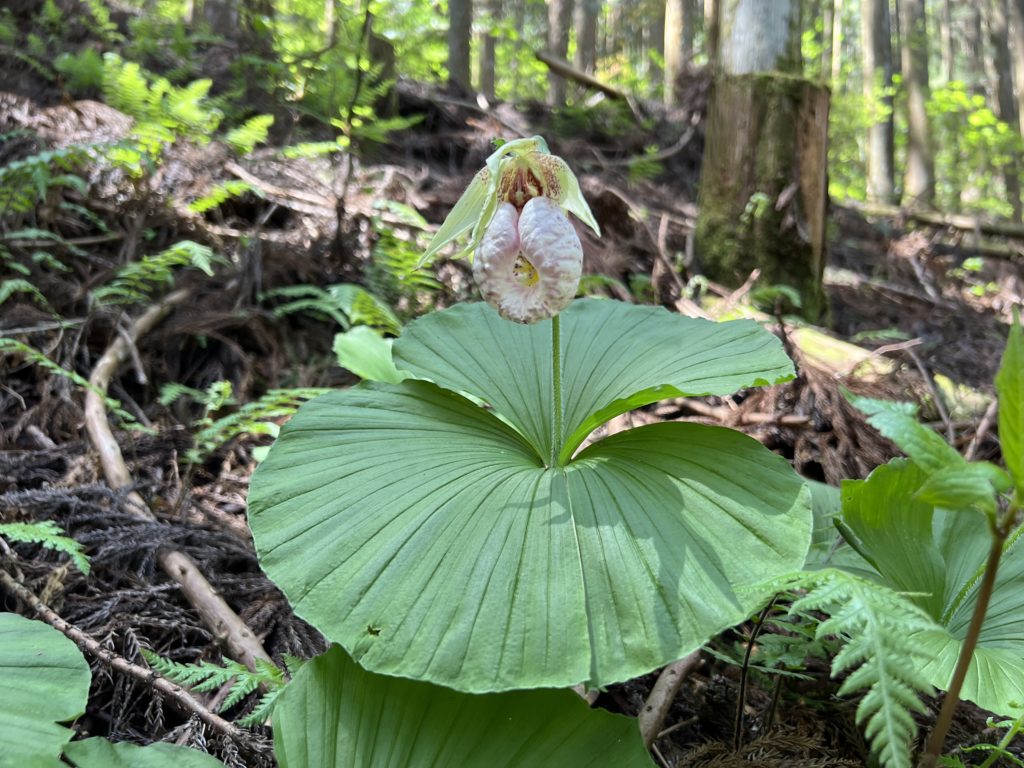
(450, 524)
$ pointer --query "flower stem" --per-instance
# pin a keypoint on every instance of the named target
(556, 386)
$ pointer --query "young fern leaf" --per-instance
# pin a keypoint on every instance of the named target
(252, 132)
(879, 629)
(208, 677)
(48, 534)
(138, 280)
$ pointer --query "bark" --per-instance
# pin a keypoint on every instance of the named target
(763, 187)
(946, 41)
(655, 34)
(711, 31)
(487, 44)
(674, 61)
(586, 43)
(460, 23)
(919, 180)
(691, 20)
(1017, 39)
(837, 43)
(559, 23)
(827, 23)
(975, 48)
(680, 30)
(877, 78)
(1006, 105)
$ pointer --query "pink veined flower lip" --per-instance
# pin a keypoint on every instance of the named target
(528, 265)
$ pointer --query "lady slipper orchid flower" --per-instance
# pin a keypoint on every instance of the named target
(528, 265)
(529, 258)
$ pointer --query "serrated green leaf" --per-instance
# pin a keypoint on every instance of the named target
(898, 422)
(966, 487)
(937, 555)
(1010, 388)
(336, 715)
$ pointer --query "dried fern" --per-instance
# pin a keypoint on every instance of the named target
(879, 629)
(48, 534)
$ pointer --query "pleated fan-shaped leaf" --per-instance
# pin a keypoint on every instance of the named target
(427, 535)
(334, 714)
(44, 680)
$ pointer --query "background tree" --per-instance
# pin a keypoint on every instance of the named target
(487, 46)
(559, 25)
(763, 181)
(876, 70)
(588, 12)
(1006, 106)
(919, 180)
(460, 26)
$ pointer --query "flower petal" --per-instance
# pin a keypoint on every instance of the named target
(528, 267)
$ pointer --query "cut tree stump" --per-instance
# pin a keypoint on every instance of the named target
(763, 191)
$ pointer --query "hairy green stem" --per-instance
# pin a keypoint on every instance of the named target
(933, 748)
(556, 386)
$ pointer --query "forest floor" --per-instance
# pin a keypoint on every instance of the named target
(932, 331)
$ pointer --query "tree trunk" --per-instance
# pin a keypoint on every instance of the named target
(1006, 106)
(487, 43)
(656, 45)
(559, 24)
(827, 23)
(975, 47)
(1017, 32)
(763, 186)
(674, 61)
(460, 24)
(877, 79)
(586, 43)
(837, 44)
(946, 41)
(711, 31)
(919, 181)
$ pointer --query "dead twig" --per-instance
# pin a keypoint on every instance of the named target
(216, 614)
(984, 426)
(656, 708)
(88, 644)
(940, 403)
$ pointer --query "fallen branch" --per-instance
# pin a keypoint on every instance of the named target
(215, 613)
(662, 695)
(88, 644)
(954, 220)
(563, 68)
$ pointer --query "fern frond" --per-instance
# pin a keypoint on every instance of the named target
(219, 195)
(48, 534)
(252, 132)
(137, 281)
(35, 357)
(243, 681)
(17, 285)
(880, 653)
